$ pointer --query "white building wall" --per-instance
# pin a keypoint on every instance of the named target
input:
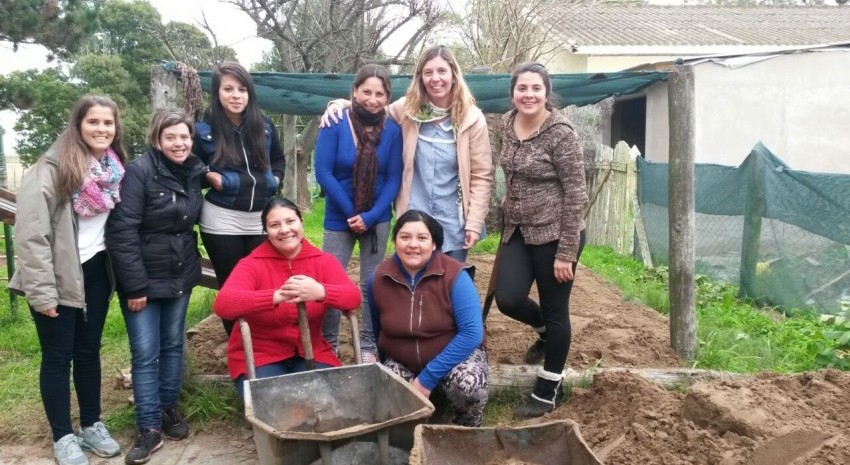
(798, 105)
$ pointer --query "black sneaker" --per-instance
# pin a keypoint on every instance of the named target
(147, 442)
(173, 425)
(536, 352)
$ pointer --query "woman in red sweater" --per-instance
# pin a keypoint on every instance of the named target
(264, 288)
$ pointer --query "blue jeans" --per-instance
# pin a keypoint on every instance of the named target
(285, 367)
(156, 346)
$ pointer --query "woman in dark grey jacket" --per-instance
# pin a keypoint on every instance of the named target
(154, 248)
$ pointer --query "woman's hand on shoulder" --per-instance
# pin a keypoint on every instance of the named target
(333, 113)
(214, 179)
(301, 288)
(563, 271)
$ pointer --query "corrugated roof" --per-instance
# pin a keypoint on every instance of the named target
(705, 25)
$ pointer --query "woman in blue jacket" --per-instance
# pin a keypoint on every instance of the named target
(153, 246)
(359, 166)
(246, 164)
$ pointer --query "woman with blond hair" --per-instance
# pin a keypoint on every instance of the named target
(63, 204)
(448, 168)
(151, 240)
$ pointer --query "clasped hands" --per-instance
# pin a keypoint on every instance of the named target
(299, 288)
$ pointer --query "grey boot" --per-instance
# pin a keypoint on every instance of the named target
(547, 394)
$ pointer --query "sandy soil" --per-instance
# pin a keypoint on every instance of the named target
(769, 419)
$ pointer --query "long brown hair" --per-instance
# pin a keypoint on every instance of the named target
(73, 153)
(227, 147)
(416, 96)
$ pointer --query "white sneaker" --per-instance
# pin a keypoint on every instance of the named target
(67, 451)
(96, 439)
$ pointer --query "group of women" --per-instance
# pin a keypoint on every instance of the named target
(81, 216)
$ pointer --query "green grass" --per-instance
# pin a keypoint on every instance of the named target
(20, 357)
(733, 335)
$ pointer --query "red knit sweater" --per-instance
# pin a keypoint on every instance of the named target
(247, 294)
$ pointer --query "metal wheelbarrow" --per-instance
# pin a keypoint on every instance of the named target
(360, 414)
(553, 443)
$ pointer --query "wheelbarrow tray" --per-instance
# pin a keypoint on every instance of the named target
(552, 443)
(295, 416)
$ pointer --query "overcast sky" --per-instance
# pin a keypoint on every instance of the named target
(232, 28)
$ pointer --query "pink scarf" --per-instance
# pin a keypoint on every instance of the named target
(99, 192)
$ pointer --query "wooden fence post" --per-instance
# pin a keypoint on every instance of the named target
(681, 211)
(166, 91)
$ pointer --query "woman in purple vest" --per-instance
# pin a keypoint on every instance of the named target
(427, 318)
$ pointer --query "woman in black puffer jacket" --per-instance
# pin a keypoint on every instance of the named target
(154, 249)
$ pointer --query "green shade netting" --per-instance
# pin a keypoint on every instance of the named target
(804, 242)
(308, 94)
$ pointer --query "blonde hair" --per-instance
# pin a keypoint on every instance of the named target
(163, 119)
(416, 96)
(73, 152)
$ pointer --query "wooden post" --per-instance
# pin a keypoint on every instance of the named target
(681, 211)
(753, 213)
(290, 150)
(166, 91)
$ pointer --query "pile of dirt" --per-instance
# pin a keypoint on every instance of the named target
(769, 419)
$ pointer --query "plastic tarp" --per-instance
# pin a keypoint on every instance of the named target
(308, 94)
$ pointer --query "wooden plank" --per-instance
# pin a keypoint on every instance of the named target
(504, 377)
(524, 376)
(640, 231)
(682, 211)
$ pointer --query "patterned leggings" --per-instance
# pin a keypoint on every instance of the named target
(465, 386)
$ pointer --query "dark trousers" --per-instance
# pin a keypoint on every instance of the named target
(73, 339)
(225, 251)
(521, 264)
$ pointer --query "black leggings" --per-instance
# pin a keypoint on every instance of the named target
(521, 264)
(225, 251)
(73, 339)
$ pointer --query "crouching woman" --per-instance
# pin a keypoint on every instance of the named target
(427, 318)
(264, 289)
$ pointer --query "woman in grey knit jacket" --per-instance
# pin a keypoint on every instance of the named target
(544, 228)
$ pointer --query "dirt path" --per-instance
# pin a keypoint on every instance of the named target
(765, 420)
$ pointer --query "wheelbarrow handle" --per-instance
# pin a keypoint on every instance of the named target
(248, 346)
(306, 342)
(355, 336)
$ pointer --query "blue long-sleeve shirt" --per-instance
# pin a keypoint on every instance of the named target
(335, 154)
(466, 307)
